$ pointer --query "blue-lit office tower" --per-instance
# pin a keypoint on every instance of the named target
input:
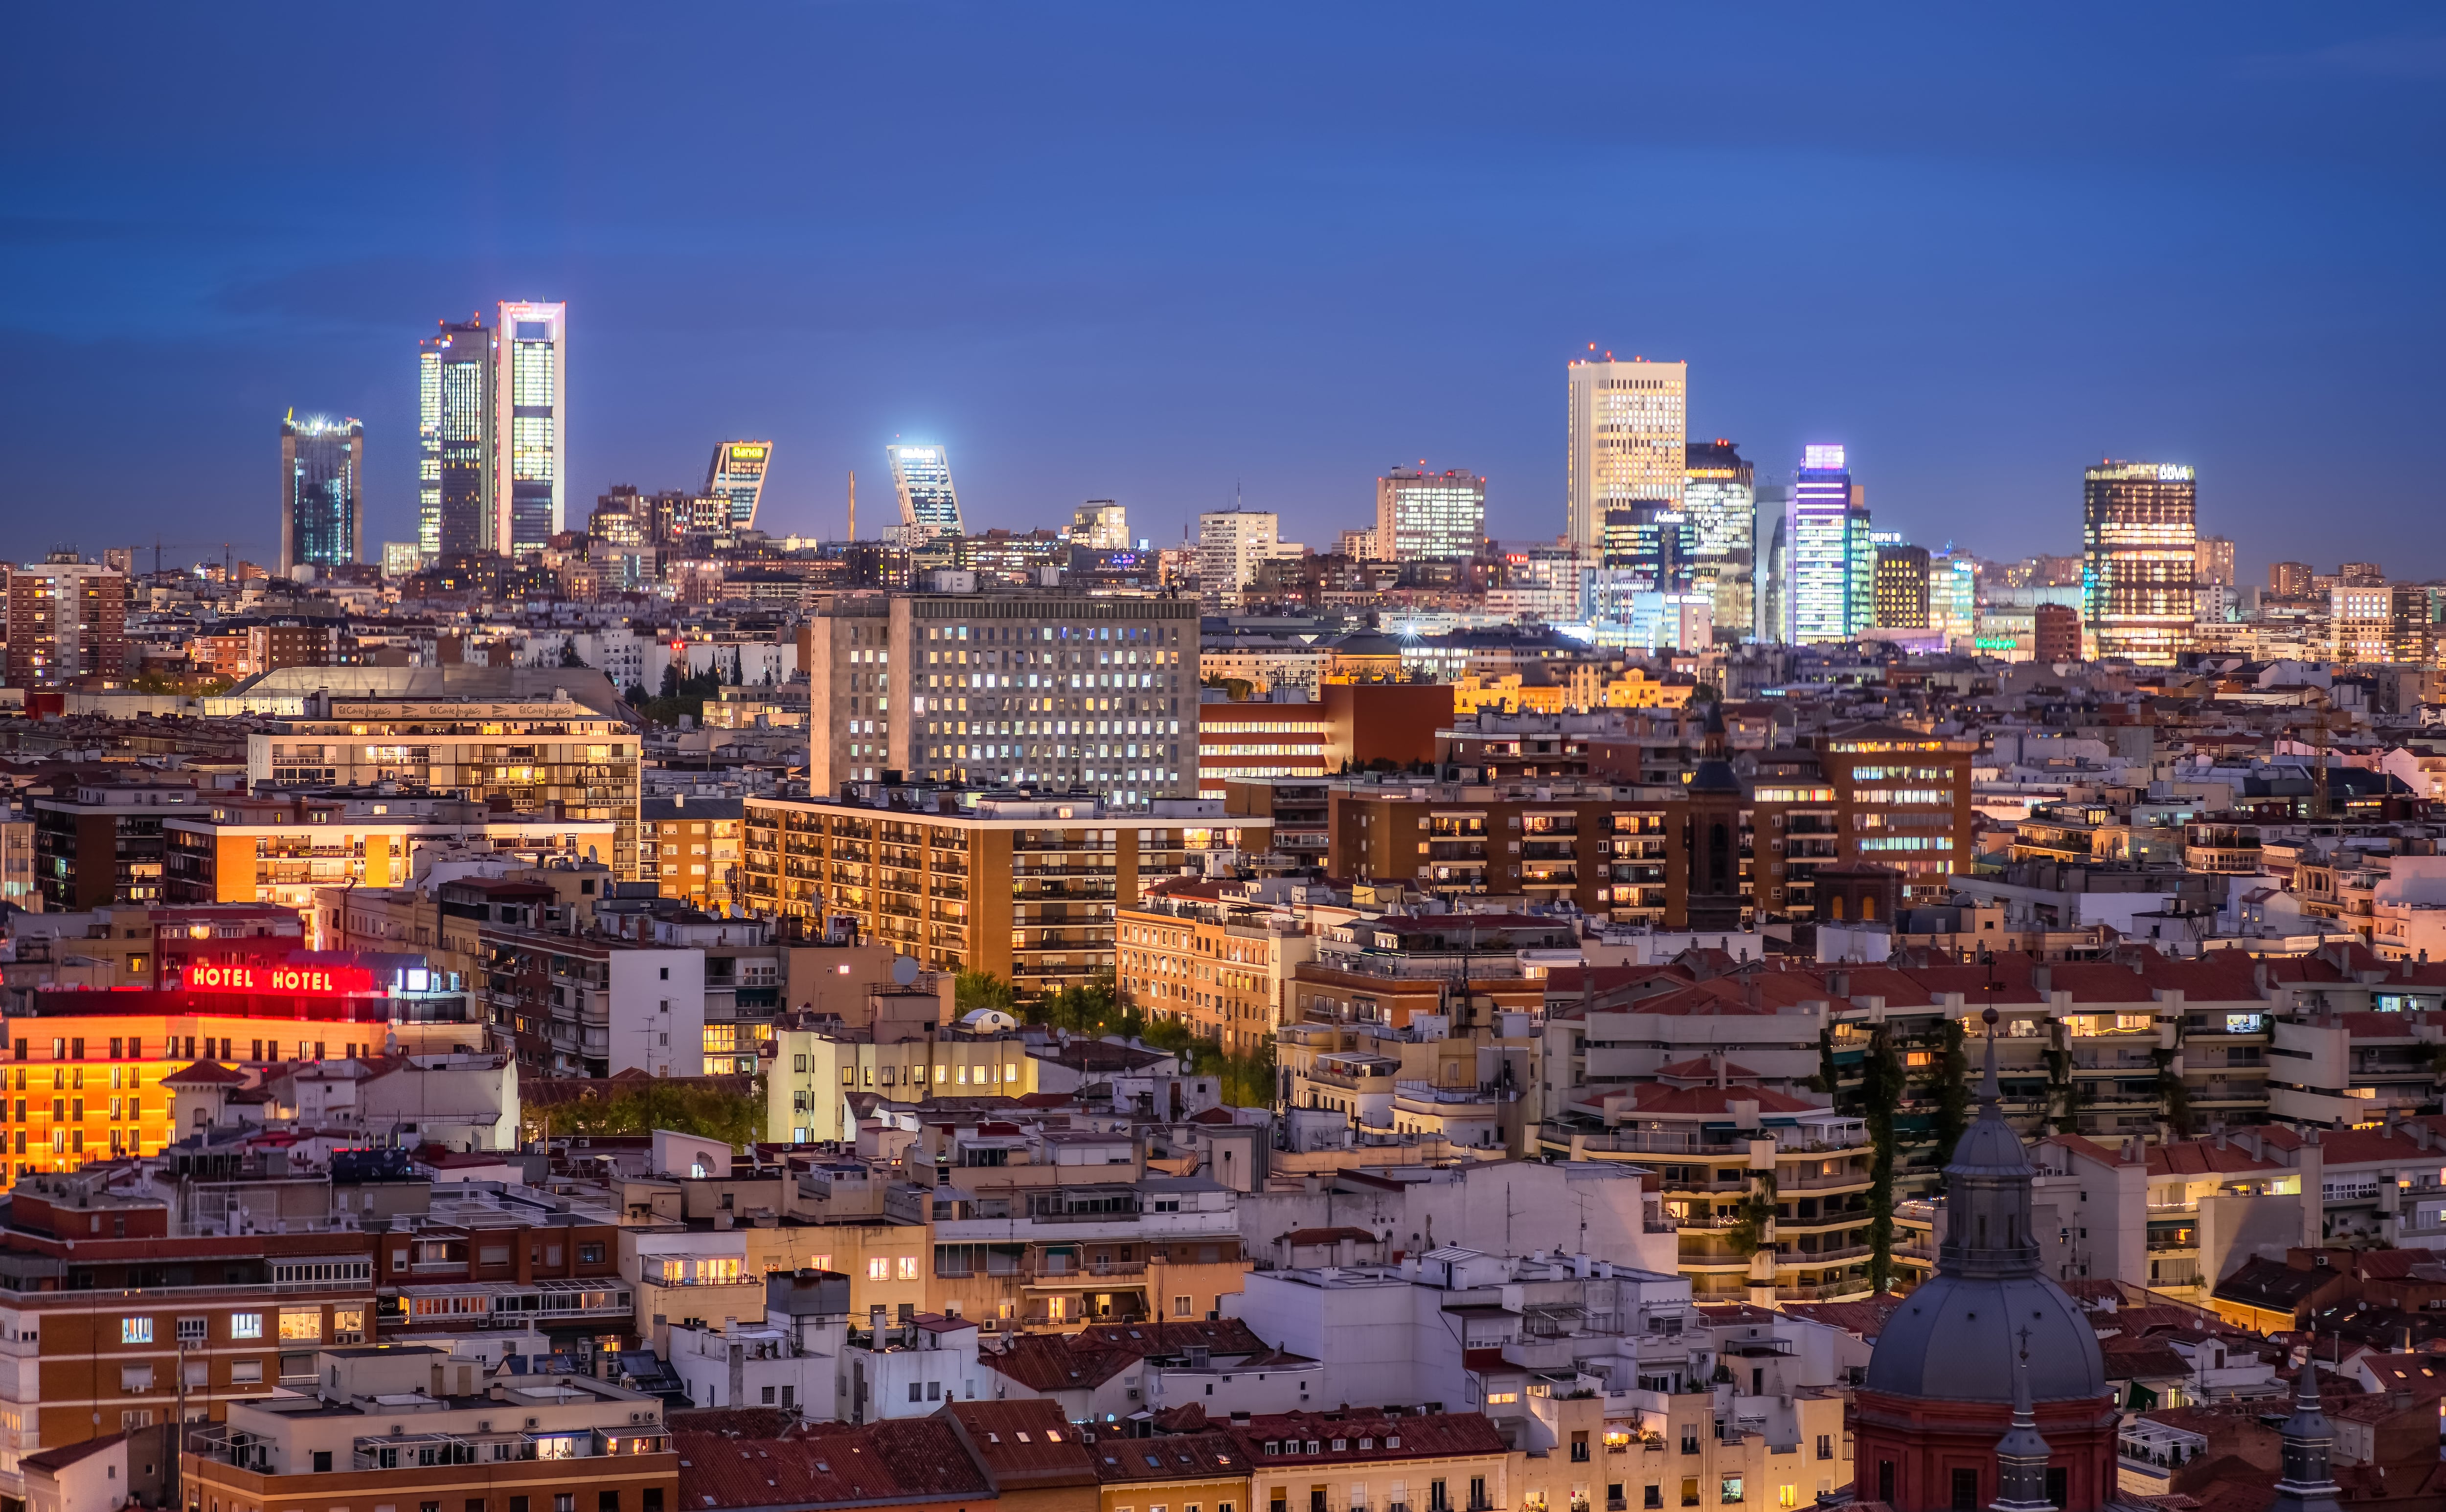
(738, 475)
(454, 441)
(322, 518)
(1819, 529)
(531, 435)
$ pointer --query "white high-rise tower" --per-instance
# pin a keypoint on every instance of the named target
(1629, 431)
(531, 440)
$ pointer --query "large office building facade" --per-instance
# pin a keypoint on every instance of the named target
(1426, 517)
(737, 477)
(930, 506)
(1719, 507)
(1629, 423)
(1036, 690)
(2139, 538)
(322, 507)
(531, 435)
(454, 439)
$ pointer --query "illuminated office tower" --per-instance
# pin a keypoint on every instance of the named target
(1952, 593)
(1860, 546)
(1818, 530)
(2139, 559)
(1426, 517)
(322, 514)
(531, 438)
(1648, 549)
(1100, 524)
(928, 505)
(1901, 585)
(453, 437)
(1720, 502)
(1629, 440)
(738, 475)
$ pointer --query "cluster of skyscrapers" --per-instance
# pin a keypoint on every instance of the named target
(493, 432)
(1666, 540)
(492, 455)
(1662, 523)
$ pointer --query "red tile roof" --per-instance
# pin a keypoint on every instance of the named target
(1326, 1235)
(1228, 1336)
(903, 1460)
(1211, 1455)
(1049, 1362)
(1023, 1444)
(1437, 1434)
(1704, 1069)
(1650, 1099)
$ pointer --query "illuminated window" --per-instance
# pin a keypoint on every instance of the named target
(136, 1330)
(246, 1325)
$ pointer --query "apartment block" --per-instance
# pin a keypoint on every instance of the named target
(67, 620)
(106, 843)
(418, 1421)
(689, 848)
(908, 866)
(278, 848)
(1187, 955)
(122, 1310)
(543, 741)
(1008, 691)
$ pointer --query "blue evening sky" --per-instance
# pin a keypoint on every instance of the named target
(1158, 251)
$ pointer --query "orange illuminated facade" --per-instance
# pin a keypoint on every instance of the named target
(84, 1071)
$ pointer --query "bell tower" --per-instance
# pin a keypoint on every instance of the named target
(1711, 836)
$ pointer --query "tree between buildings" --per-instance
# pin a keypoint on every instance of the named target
(705, 1111)
(1881, 1090)
(1952, 1115)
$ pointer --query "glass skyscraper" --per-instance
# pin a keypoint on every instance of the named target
(321, 469)
(929, 504)
(1818, 532)
(454, 439)
(1719, 502)
(738, 475)
(531, 435)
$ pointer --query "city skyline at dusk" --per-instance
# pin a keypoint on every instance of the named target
(1270, 276)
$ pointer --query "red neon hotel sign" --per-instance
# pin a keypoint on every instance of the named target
(312, 981)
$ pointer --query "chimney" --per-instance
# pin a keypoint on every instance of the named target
(2313, 1165)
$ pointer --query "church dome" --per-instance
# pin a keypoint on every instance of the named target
(1955, 1339)
(1957, 1336)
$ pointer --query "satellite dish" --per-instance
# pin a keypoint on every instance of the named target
(904, 969)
